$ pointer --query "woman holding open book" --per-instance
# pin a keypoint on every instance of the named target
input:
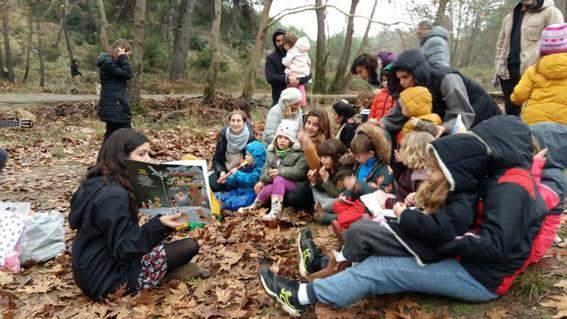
(110, 249)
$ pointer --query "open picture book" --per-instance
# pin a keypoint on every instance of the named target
(168, 188)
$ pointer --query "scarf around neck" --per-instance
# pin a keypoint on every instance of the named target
(282, 153)
(235, 143)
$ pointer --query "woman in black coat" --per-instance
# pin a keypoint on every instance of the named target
(110, 249)
(113, 107)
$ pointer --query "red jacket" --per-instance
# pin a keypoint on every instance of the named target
(381, 104)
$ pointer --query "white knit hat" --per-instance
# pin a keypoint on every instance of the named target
(289, 96)
(289, 129)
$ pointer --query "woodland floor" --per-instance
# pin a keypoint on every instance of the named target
(48, 161)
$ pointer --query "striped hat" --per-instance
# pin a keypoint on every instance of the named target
(554, 39)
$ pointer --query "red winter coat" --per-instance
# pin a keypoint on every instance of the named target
(381, 104)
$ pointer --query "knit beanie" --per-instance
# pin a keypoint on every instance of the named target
(554, 39)
(344, 109)
(289, 129)
(417, 101)
(289, 96)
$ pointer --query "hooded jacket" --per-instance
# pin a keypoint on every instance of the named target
(221, 148)
(535, 19)
(297, 60)
(113, 106)
(275, 72)
(542, 89)
(463, 160)
(109, 244)
(418, 103)
(511, 210)
(276, 113)
(249, 176)
(453, 94)
(435, 47)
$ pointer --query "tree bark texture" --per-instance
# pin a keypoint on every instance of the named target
(338, 85)
(135, 85)
(6, 33)
(181, 42)
(210, 87)
(320, 81)
(103, 26)
(251, 73)
(66, 31)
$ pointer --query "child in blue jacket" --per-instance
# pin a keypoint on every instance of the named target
(243, 178)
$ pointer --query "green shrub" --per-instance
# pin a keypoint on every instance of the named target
(156, 53)
(197, 43)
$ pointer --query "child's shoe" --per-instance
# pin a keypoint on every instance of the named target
(277, 205)
(255, 205)
(282, 290)
(310, 256)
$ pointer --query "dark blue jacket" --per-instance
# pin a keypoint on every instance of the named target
(113, 106)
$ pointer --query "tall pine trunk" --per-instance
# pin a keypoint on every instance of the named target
(135, 85)
(40, 54)
(363, 43)
(103, 26)
(6, 32)
(210, 88)
(66, 31)
(320, 81)
(338, 85)
(29, 42)
(250, 81)
(177, 68)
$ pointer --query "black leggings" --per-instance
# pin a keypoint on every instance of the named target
(180, 252)
(111, 127)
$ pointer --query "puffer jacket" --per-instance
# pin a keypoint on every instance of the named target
(297, 60)
(334, 185)
(435, 47)
(381, 105)
(542, 89)
(534, 21)
(113, 106)
(418, 103)
(292, 167)
(249, 176)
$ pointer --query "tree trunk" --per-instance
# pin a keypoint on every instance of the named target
(135, 85)
(6, 33)
(29, 42)
(1, 65)
(250, 81)
(66, 32)
(338, 85)
(177, 69)
(210, 89)
(467, 54)
(440, 15)
(363, 43)
(320, 81)
(103, 26)
(40, 54)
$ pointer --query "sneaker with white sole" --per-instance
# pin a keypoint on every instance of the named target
(309, 254)
(282, 290)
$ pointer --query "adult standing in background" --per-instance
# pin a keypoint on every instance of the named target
(274, 69)
(115, 71)
(434, 43)
(518, 43)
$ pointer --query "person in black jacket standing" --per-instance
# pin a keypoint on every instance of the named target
(274, 69)
(115, 71)
(110, 249)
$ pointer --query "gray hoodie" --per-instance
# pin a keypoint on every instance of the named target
(436, 48)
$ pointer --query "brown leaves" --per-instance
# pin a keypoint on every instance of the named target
(559, 303)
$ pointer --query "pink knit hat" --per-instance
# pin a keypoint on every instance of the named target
(554, 39)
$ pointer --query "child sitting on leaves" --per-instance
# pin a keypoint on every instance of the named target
(285, 166)
(241, 179)
(445, 204)
(344, 113)
(371, 149)
(327, 182)
(417, 105)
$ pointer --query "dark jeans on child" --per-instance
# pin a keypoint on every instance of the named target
(367, 238)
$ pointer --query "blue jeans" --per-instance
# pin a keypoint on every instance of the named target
(389, 275)
(3, 159)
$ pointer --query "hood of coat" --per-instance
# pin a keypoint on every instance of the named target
(437, 31)
(258, 152)
(83, 196)
(463, 159)
(553, 66)
(302, 45)
(103, 57)
(414, 62)
(509, 141)
(274, 35)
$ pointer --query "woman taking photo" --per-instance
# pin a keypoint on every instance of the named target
(113, 106)
(110, 249)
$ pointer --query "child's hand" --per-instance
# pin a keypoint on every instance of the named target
(311, 176)
(122, 51)
(323, 174)
(273, 173)
(440, 131)
(234, 170)
(258, 187)
(173, 221)
(349, 182)
(372, 185)
(541, 154)
(222, 178)
(413, 121)
(399, 209)
(410, 199)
